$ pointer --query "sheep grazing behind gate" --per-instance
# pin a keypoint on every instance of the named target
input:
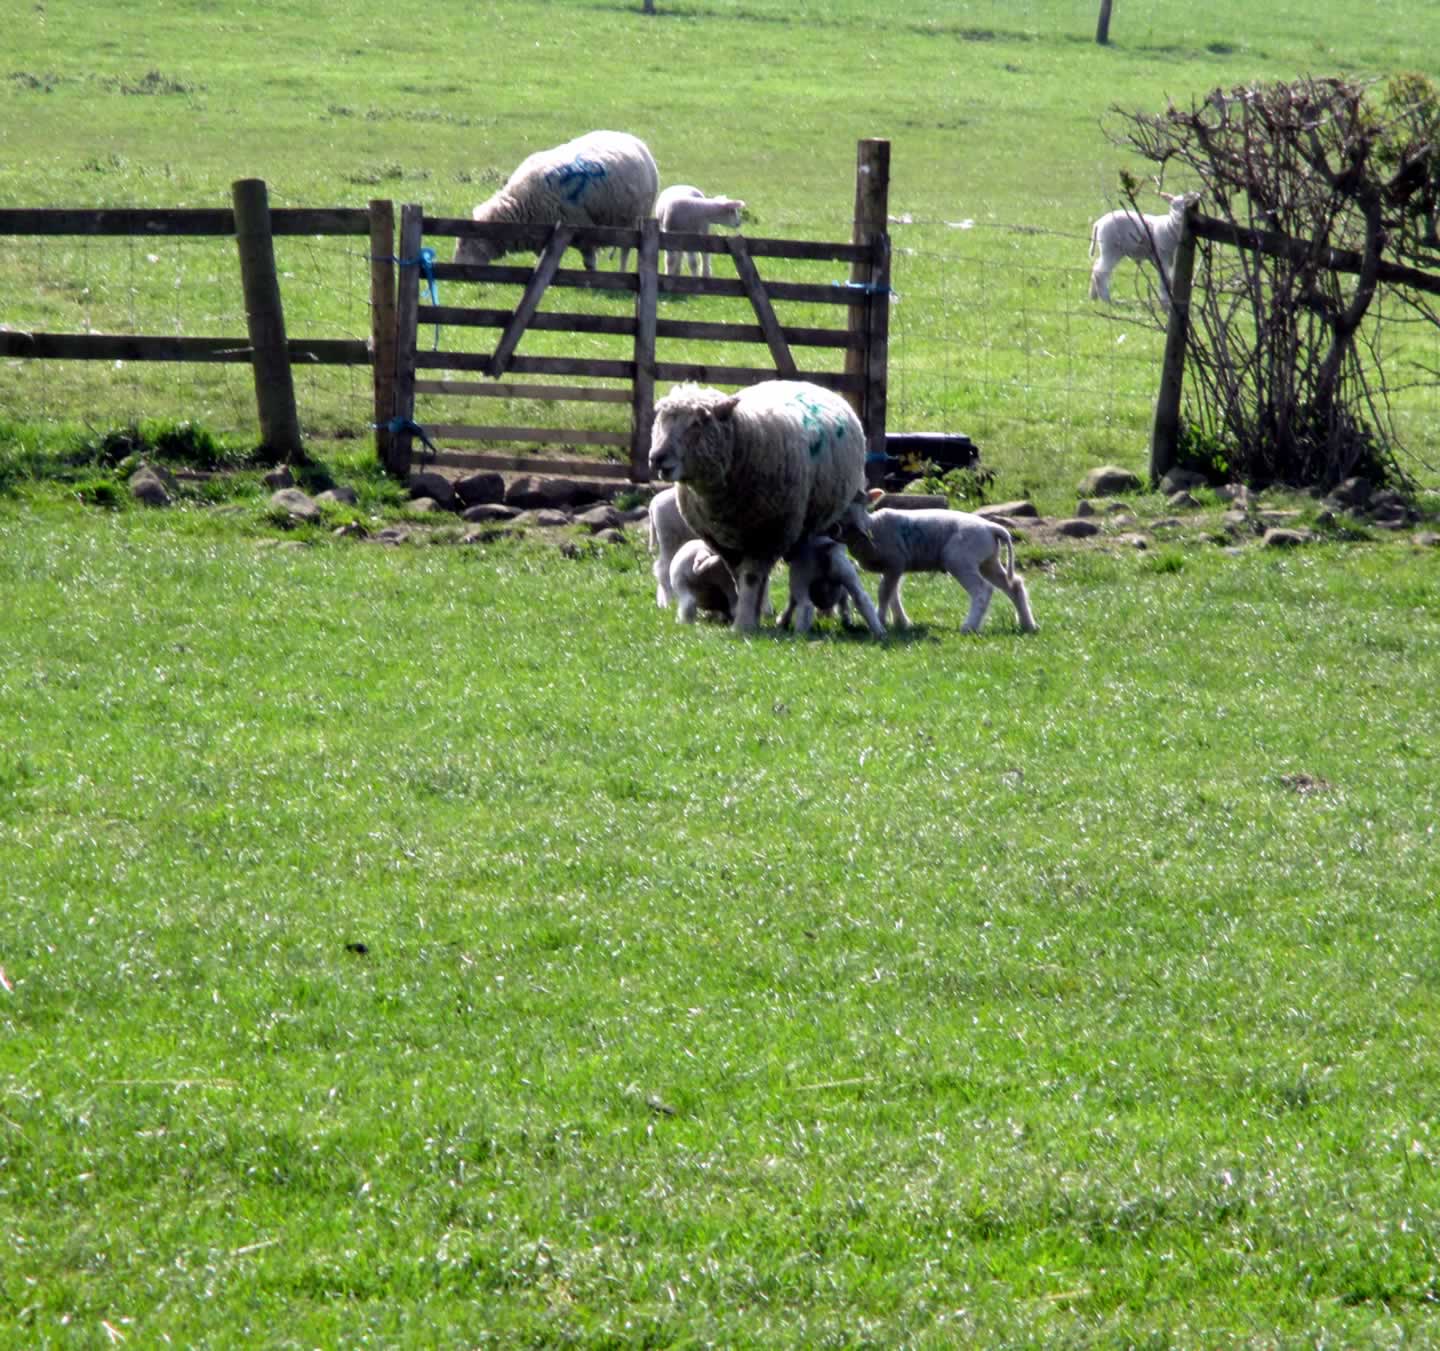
(685, 208)
(823, 579)
(699, 581)
(602, 178)
(1124, 234)
(758, 472)
(977, 553)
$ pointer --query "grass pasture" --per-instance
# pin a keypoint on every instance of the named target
(437, 946)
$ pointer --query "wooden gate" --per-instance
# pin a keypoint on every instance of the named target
(426, 374)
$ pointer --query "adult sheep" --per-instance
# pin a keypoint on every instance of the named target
(758, 472)
(602, 178)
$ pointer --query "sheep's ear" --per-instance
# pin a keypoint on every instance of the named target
(874, 496)
(725, 409)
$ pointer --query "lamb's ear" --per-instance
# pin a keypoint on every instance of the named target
(725, 409)
(874, 496)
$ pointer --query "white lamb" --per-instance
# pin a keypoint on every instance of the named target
(977, 553)
(602, 178)
(1125, 234)
(758, 472)
(668, 531)
(700, 580)
(685, 208)
(823, 578)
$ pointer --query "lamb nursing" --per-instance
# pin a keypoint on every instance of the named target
(758, 472)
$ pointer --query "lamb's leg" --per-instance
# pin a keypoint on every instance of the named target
(1100, 279)
(1013, 586)
(663, 596)
(685, 611)
(890, 607)
(862, 601)
(969, 576)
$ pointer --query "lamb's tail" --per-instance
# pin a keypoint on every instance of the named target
(1005, 550)
(1094, 235)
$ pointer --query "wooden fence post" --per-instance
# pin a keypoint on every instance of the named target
(1165, 431)
(643, 406)
(407, 319)
(265, 316)
(1102, 26)
(382, 321)
(870, 315)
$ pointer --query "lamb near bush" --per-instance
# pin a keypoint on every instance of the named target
(823, 578)
(602, 178)
(758, 472)
(977, 553)
(685, 208)
(1124, 234)
(700, 580)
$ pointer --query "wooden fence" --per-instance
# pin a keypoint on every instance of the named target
(862, 303)
(403, 371)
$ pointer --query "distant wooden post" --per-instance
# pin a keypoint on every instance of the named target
(1102, 29)
(407, 319)
(265, 316)
(382, 321)
(646, 305)
(1165, 432)
(870, 315)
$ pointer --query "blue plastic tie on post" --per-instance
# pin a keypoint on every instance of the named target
(869, 288)
(425, 261)
(405, 424)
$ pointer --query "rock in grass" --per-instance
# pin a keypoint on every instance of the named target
(1077, 527)
(1108, 479)
(152, 485)
(296, 505)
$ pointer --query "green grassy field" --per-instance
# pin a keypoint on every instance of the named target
(438, 946)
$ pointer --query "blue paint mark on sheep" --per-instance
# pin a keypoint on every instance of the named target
(822, 423)
(572, 181)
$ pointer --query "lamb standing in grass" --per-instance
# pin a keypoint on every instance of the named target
(823, 578)
(700, 580)
(1124, 234)
(602, 178)
(685, 208)
(977, 553)
(758, 472)
(668, 532)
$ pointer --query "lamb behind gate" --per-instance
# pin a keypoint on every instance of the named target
(1124, 234)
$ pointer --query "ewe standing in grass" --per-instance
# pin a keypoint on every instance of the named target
(602, 178)
(758, 472)
(977, 553)
(685, 208)
(1126, 234)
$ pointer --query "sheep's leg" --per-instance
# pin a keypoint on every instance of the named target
(750, 581)
(1013, 586)
(862, 602)
(1100, 279)
(890, 607)
(587, 256)
(674, 263)
(663, 594)
(685, 611)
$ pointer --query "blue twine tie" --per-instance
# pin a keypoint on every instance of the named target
(405, 424)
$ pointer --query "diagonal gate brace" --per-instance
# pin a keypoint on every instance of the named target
(543, 275)
(764, 312)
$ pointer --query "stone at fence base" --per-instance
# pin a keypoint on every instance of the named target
(279, 477)
(530, 490)
(1182, 500)
(1350, 493)
(1108, 479)
(489, 511)
(1077, 527)
(1281, 537)
(600, 518)
(544, 516)
(1020, 508)
(1085, 507)
(153, 485)
(424, 505)
(1167, 523)
(297, 505)
(1237, 493)
(485, 486)
(1181, 480)
(427, 483)
(610, 536)
(346, 496)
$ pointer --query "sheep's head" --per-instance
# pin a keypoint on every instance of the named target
(692, 436)
(854, 522)
(733, 207)
(1180, 203)
(476, 252)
